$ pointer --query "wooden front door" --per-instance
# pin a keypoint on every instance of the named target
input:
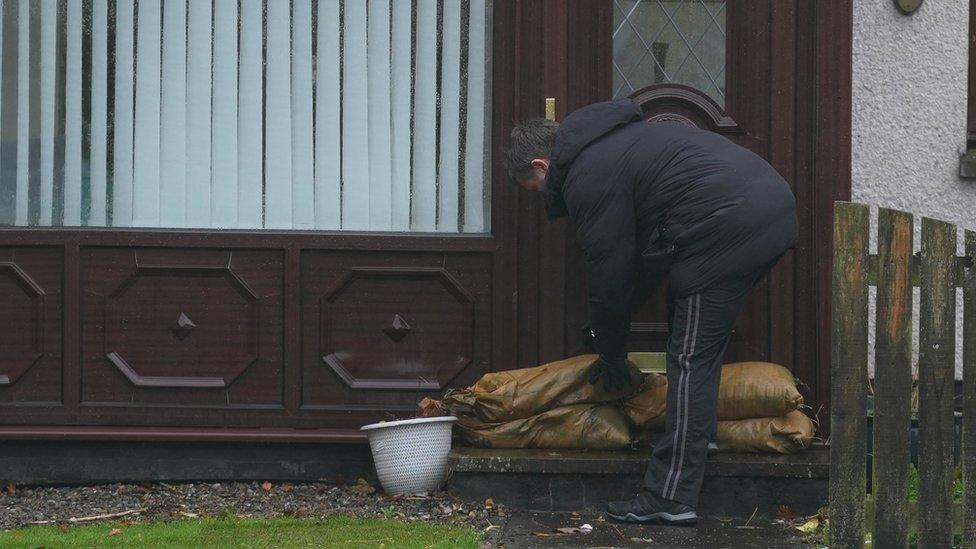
(771, 75)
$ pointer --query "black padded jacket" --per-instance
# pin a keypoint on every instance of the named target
(662, 199)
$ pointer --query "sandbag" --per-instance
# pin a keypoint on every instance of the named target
(518, 394)
(746, 390)
(646, 409)
(756, 389)
(787, 434)
(573, 427)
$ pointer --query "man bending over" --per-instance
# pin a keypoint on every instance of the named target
(649, 201)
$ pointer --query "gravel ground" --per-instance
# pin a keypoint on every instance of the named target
(21, 507)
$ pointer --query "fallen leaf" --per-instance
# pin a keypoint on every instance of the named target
(266, 486)
(10, 488)
(63, 527)
(125, 522)
(542, 534)
(115, 532)
(785, 513)
(809, 526)
(574, 515)
(362, 487)
(642, 540)
(472, 515)
(188, 514)
(570, 530)
(489, 503)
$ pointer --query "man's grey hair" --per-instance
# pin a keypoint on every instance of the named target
(529, 140)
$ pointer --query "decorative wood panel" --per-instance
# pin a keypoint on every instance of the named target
(182, 327)
(384, 331)
(30, 325)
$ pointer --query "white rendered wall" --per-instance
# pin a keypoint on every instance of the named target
(909, 113)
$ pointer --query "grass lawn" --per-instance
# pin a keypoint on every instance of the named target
(239, 532)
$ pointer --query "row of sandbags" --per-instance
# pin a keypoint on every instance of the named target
(555, 406)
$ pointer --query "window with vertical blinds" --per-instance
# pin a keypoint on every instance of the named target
(360, 115)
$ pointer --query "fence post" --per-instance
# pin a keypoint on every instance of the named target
(848, 375)
(936, 365)
(969, 392)
(892, 379)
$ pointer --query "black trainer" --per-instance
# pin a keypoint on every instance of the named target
(649, 507)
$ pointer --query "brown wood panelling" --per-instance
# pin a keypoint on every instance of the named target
(506, 59)
(382, 331)
(830, 140)
(30, 326)
(782, 75)
(589, 72)
(531, 104)
(181, 327)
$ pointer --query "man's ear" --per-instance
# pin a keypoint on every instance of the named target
(540, 163)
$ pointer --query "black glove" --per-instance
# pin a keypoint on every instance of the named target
(613, 373)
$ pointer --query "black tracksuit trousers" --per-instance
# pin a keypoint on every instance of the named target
(700, 326)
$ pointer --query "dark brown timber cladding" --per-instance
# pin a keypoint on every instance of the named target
(937, 339)
(849, 374)
(892, 379)
(969, 382)
(525, 281)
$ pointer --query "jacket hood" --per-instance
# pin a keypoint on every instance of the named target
(578, 131)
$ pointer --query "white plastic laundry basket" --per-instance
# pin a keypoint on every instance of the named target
(411, 455)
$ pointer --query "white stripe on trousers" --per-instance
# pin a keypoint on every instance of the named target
(684, 434)
(683, 360)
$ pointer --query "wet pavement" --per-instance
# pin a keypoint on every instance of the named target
(531, 530)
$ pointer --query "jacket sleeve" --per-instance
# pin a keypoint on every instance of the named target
(604, 217)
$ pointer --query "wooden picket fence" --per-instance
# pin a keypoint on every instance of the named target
(937, 270)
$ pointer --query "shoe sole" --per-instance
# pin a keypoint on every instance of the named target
(681, 519)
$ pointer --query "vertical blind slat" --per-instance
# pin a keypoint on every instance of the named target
(277, 145)
(355, 135)
(380, 152)
(173, 141)
(447, 176)
(99, 113)
(424, 196)
(224, 133)
(23, 111)
(303, 190)
(73, 115)
(327, 105)
(400, 113)
(122, 171)
(474, 143)
(198, 112)
(145, 191)
(250, 121)
(49, 19)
